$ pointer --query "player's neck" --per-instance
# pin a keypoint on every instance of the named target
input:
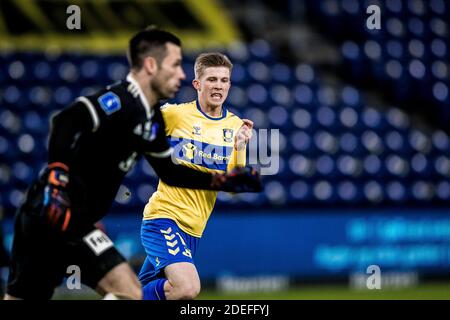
(212, 111)
(144, 84)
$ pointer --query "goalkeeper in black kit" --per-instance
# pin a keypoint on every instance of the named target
(93, 144)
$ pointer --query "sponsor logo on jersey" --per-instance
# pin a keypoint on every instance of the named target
(109, 102)
(189, 151)
(98, 242)
(200, 153)
(197, 130)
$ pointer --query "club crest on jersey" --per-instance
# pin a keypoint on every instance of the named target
(197, 130)
(228, 135)
(109, 102)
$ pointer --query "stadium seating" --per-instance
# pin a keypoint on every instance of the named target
(334, 148)
(408, 57)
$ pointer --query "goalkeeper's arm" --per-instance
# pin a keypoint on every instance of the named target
(243, 179)
(66, 126)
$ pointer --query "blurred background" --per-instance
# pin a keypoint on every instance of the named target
(362, 114)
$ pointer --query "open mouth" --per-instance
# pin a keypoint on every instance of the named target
(216, 96)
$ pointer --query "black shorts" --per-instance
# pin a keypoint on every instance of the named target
(40, 260)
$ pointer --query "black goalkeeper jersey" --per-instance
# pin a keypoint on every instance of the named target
(101, 136)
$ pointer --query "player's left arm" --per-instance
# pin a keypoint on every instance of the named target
(241, 139)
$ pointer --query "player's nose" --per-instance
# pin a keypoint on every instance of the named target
(182, 75)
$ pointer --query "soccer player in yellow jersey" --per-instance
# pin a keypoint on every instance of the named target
(207, 137)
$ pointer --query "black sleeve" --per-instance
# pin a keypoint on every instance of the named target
(159, 145)
(65, 128)
(178, 175)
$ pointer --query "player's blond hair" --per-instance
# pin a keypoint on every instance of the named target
(211, 59)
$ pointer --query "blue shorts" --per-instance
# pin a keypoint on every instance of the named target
(164, 244)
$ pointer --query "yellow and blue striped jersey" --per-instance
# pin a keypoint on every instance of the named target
(202, 143)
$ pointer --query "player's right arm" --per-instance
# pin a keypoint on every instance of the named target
(66, 126)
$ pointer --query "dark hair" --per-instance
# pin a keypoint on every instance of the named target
(211, 59)
(149, 42)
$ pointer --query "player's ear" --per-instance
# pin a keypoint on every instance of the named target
(150, 65)
(196, 84)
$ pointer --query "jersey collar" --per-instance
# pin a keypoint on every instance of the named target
(224, 112)
(144, 100)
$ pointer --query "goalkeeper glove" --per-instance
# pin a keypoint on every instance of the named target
(56, 209)
(240, 179)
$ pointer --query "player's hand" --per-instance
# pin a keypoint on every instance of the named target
(243, 135)
(56, 209)
(240, 179)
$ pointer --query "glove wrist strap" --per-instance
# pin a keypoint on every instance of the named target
(58, 175)
(58, 165)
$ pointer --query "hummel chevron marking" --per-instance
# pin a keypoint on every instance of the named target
(174, 252)
(166, 231)
(170, 238)
(172, 244)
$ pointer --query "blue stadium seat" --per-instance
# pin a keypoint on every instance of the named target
(259, 71)
(34, 123)
(302, 166)
(239, 75)
(280, 94)
(300, 191)
(90, 70)
(374, 191)
(302, 119)
(397, 191)
(40, 97)
(325, 167)
(301, 142)
(260, 50)
(13, 198)
(373, 167)
(326, 142)
(324, 191)
(282, 73)
(275, 193)
(443, 190)
(349, 192)
(422, 166)
(278, 117)
(349, 166)
(237, 97)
